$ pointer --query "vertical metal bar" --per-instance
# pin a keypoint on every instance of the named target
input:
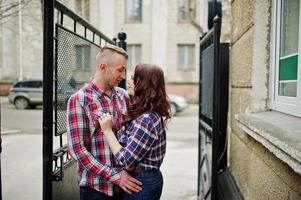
(85, 32)
(47, 98)
(122, 43)
(216, 105)
(55, 80)
(93, 36)
(115, 40)
(199, 124)
(62, 18)
(74, 26)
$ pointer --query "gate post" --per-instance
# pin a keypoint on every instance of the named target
(47, 98)
(122, 43)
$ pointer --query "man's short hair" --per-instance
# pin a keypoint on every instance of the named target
(114, 48)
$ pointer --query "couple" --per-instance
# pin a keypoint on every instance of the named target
(117, 140)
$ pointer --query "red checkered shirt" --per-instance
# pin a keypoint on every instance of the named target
(86, 141)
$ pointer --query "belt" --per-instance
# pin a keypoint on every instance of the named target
(137, 170)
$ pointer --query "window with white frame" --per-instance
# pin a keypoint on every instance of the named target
(134, 52)
(186, 57)
(286, 63)
(186, 8)
(133, 11)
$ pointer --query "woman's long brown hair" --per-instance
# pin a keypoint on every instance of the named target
(150, 95)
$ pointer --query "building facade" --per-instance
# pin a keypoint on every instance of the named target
(265, 104)
(21, 42)
(159, 32)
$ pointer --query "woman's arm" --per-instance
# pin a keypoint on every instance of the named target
(138, 144)
(105, 122)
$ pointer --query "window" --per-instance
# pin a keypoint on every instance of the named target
(133, 11)
(83, 8)
(83, 57)
(134, 52)
(186, 7)
(286, 94)
(34, 84)
(186, 57)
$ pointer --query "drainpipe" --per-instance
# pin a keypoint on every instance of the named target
(20, 42)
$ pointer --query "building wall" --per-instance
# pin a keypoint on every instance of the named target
(159, 34)
(22, 47)
(258, 172)
(181, 33)
(137, 33)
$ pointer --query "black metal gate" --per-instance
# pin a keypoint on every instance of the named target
(213, 108)
(70, 48)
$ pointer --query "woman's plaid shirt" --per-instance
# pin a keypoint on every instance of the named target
(144, 143)
(86, 141)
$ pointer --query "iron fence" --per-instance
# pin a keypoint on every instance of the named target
(70, 46)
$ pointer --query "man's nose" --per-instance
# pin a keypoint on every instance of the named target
(123, 75)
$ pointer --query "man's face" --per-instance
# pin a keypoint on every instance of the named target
(115, 71)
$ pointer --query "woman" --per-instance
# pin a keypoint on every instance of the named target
(142, 139)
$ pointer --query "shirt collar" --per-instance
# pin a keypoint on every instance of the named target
(100, 91)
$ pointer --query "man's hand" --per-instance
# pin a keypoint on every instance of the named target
(129, 184)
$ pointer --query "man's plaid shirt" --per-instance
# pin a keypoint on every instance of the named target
(86, 141)
(144, 143)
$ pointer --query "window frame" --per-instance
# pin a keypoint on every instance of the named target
(125, 14)
(289, 105)
(134, 55)
(178, 12)
(186, 57)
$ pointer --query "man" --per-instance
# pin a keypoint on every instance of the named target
(87, 144)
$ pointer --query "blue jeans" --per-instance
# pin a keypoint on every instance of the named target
(152, 184)
(87, 193)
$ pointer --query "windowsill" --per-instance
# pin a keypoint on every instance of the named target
(186, 70)
(279, 133)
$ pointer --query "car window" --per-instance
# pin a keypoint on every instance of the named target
(33, 84)
(18, 85)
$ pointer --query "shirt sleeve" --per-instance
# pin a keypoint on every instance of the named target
(78, 134)
(142, 136)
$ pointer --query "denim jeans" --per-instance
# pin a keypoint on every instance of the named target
(152, 184)
(87, 193)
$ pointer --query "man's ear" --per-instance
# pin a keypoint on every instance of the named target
(102, 66)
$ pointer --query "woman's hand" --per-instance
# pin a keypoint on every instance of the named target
(106, 122)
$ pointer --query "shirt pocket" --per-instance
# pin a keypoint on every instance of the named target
(96, 111)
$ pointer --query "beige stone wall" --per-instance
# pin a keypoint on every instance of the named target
(258, 172)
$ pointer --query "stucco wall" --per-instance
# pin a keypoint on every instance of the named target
(258, 172)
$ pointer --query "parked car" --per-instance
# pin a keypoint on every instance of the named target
(29, 94)
(26, 94)
(177, 103)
